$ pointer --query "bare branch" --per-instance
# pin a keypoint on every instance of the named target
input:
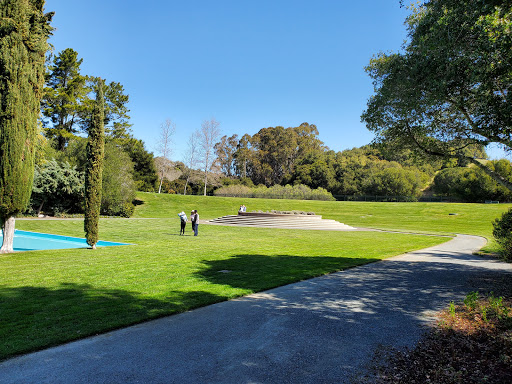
(164, 146)
(208, 136)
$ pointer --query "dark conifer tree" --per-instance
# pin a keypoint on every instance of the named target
(94, 168)
(64, 97)
(24, 30)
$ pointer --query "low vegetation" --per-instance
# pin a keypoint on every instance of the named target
(471, 344)
(295, 192)
(502, 232)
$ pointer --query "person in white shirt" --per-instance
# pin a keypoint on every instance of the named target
(183, 220)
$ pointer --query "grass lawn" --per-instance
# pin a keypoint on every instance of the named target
(50, 297)
(438, 218)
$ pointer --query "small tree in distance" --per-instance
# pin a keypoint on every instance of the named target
(94, 168)
(167, 130)
(190, 157)
(208, 136)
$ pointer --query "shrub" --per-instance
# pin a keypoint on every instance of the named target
(471, 185)
(502, 232)
(118, 187)
(296, 192)
(396, 181)
(58, 188)
(234, 191)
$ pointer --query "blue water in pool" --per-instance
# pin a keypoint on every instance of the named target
(34, 241)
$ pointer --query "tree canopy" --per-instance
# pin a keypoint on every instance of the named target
(65, 93)
(451, 87)
(69, 99)
(58, 187)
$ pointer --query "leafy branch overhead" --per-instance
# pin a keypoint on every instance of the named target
(450, 88)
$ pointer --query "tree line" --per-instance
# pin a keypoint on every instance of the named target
(274, 155)
(68, 101)
(296, 156)
(436, 105)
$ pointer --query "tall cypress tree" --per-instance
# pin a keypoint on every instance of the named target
(94, 168)
(24, 30)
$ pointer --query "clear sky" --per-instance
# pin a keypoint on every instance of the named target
(248, 64)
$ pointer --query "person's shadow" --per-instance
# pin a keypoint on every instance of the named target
(177, 234)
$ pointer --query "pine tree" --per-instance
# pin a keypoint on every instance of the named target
(94, 168)
(64, 97)
(24, 31)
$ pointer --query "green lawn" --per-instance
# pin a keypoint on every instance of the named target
(414, 217)
(49, 297)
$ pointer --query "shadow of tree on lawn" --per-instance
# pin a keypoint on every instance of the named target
(260, 272)
(32, 318)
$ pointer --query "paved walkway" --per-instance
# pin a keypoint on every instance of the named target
(324, 330)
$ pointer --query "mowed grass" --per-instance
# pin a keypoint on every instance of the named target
(50, 297)
(436, 218)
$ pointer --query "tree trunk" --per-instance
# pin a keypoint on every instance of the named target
(8, 232)
(205, 180)
(186, 183)
(40, 208)
(161, 182)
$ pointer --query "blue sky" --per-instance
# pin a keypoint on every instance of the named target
(248, 64)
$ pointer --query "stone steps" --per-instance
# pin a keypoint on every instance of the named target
(310, 222)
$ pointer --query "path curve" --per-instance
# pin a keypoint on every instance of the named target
(323, 330)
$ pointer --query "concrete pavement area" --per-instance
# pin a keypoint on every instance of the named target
(323, 330)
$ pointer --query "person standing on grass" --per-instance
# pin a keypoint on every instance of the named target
(183, 220)
(194, 217)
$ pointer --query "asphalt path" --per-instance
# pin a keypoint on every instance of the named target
(323, 330)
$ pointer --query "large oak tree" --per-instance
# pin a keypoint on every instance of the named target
(451, 87)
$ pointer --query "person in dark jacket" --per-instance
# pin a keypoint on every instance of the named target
(194, 217)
